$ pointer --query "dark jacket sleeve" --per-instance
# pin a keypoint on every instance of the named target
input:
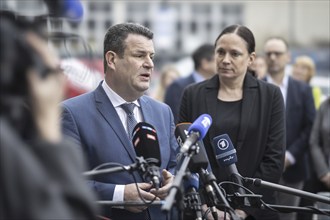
(317, 141)
(299, 146)
(272, 163)
(173, 98)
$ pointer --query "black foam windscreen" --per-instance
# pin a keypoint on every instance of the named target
(197, 161)
(145, 142)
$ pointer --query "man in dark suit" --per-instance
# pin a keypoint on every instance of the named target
(97, 121)
(300, 112)
(203, 58)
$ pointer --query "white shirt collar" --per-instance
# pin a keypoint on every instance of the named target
(115, 99)
(283, 86)
(198, 77)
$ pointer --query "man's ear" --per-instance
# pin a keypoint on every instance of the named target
(289, 57)
(110, 57)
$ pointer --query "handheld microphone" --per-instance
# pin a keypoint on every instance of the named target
(145, 142)
(226, 157)
(197, 131)
(192, 201)
(226, 153)
(197, 161)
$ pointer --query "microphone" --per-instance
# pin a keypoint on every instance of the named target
(226, 157)
(71, 9)
(197, 161)
(198, 164)
(192, 201)
(145, 142)
(197, 131)
(226, 154)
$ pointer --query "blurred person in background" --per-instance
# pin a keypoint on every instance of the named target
(304, 70)
(259, 66)
(249, 110)
(167, 75)
(204, 64)
(40, 170)
(319, 147)
(300, 113)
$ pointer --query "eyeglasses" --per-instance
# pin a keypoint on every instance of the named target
(276, 53)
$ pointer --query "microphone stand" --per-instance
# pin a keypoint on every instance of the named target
(286, 209)
(258, 204)
(209, 181)
(173, 192)
(192, 206)
(285, 189)
(140, 165)
(129, 203)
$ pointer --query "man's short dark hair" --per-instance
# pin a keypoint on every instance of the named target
(117, 34)
(205, 51)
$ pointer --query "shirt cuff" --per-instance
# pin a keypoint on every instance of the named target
(290, 157)
(118, 195)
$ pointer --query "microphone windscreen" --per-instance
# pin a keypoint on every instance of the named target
(197, 161)
(145, 142)
(201, 125)
(225, 151)
(191, 182)
(73, 9)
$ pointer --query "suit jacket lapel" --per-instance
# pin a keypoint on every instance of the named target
(211, 97)
(147, 112)
(109, 113)
(248, 105)
(290, 97)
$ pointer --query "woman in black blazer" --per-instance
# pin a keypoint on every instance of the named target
(250, 111)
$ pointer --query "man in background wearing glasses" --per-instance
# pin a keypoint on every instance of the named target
(300, 112)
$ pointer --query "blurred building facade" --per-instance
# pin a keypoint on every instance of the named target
(181, 26)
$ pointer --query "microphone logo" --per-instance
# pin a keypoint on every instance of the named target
(206, 122)
(222, 144)
(228, 158)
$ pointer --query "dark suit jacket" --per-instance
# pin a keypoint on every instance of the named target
(300, 113)
(174, 93)
(94, 123)
(261, 138)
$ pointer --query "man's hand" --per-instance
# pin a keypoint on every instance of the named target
(221, 214)
(287, 163)
(241, 214)
(326, 180)
(131, 194)
(167, 183)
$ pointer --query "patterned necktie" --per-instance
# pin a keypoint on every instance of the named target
(131, 122)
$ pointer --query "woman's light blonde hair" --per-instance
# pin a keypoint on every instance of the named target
(307, 62)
